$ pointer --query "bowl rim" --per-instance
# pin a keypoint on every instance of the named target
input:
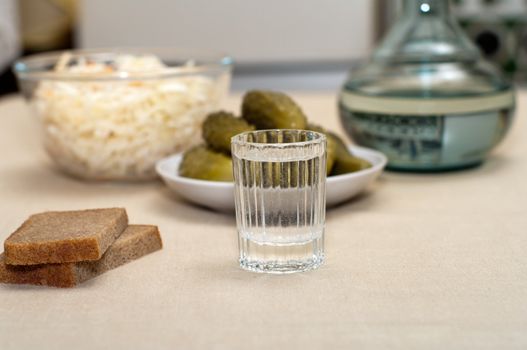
(37, 66)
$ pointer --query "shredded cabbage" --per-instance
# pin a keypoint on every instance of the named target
(119, 129)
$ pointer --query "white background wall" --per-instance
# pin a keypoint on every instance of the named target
(251, 31)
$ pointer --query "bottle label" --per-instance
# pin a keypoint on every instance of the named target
(428, 133)
(428, 141)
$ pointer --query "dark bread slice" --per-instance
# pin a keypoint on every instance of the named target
(135, 242)
(65, 236)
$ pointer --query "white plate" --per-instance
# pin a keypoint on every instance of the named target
(219, 195)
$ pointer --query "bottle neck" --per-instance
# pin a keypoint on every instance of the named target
(426, 8)
(426, 32)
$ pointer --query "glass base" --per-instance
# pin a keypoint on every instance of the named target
(276, 267)
(281, 258)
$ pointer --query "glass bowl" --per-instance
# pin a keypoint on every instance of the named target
(112, 114)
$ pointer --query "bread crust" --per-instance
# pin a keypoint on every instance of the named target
(66, 236)
(135, 242)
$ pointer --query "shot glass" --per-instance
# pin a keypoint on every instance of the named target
(280, 199)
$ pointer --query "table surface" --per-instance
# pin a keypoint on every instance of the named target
(419, 261)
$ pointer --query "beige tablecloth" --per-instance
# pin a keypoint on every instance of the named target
(419, 262)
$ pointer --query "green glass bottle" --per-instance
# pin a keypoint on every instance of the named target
(426, 98)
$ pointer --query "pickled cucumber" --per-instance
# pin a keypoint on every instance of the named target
(345, 162)
(272, 110)
(203, 163)
(219, 127)
(331, 146)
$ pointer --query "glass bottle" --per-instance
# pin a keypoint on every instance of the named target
(426, 98)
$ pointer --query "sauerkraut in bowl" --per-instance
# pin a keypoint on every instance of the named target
(112, 115)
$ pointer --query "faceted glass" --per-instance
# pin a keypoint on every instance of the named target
(280, 198)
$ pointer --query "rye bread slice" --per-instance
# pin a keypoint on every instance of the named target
(135, 242)
(65, 236)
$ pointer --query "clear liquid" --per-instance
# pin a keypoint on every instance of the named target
(280, 209)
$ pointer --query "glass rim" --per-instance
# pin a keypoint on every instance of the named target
(34, 67)
(241, 139)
